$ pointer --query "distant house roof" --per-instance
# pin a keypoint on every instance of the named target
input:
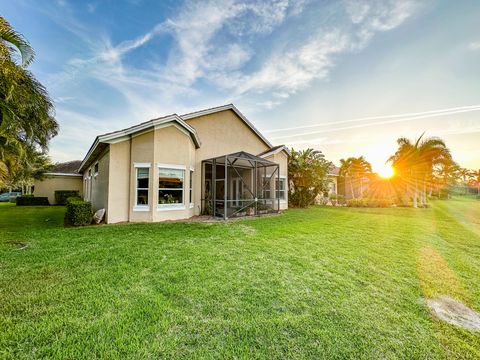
(334, 171)
(69, 168)
(274, 150)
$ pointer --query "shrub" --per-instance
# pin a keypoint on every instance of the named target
(369, 202)
(29, 200)
(79, 212)
(13, 199)
(61, 196)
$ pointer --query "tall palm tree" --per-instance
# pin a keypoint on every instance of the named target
(361, 169)
(346, 171)
(415, 162)
(26, 111)
(355, 170)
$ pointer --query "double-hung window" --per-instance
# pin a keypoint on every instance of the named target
(170, 187)
(281, 188)
(142, 181)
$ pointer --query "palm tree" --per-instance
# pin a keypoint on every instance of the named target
(307, 173)
(346, 171)
(361, 169)
(476, 179)
(355, 170)
(415, 162)
(26, 111)
(465, 175)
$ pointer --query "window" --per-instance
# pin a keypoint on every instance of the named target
(142, 186)
(280, 186)
(170, 187)
(191, 188)
(95, 169)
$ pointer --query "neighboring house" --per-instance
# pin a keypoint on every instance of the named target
(173, 167)
(63, 176)
(333, 180)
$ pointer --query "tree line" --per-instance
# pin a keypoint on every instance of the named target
(423, 168)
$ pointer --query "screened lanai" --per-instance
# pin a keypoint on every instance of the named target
(240, 184)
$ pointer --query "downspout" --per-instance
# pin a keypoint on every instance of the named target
(130, 179)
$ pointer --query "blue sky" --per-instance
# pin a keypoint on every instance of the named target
(347, 78)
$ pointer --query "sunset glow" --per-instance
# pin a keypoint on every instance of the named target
(386, 171)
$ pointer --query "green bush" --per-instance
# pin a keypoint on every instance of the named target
(13, 199)
(29, 200)
(61, 196)
(369, 202)
(79, 212)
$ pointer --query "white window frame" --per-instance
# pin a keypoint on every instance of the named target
(95, 173)
(284, 178)
(141, 207)
(168, 207)
(190, 193)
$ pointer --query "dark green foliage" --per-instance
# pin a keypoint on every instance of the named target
(30, 200)
(369, 202)
(79, 212)
(61, 196)
(307, 173)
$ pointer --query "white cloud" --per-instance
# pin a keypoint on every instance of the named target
(474, 45)
(216, 42)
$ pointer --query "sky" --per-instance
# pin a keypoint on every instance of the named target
(344, 77)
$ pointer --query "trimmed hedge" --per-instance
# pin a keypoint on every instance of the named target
(79, 212)
(29, 200)
(367, 202)
(61, 196)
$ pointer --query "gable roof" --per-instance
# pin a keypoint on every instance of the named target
(333, 170)
(102, 141)
(69, 168)
(223, 108)
(274, 150)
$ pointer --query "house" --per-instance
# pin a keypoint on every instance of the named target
(212, 161)
(332, 176)
(63, 176)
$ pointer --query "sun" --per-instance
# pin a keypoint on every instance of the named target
(386, 171)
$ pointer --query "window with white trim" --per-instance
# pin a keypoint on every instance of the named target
(280, 185)
(95, 169)
(191, 188)
(143, 175)
(170, 186)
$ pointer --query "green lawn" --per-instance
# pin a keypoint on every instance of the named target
(314, 283)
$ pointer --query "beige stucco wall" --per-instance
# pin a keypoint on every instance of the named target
(99, 185)
(282, 159)
(50, 184)
(167, 145)
(119, 181)
(221, 133)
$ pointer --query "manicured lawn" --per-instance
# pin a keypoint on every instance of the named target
(314, 283)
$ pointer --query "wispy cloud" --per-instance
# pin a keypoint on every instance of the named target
(425, 115)
(429, 113)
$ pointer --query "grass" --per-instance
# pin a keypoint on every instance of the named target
(314, 283)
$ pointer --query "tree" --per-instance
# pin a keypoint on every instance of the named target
(415, 163)
(476, 179)
(26, 111)
(307, 172)
(465, 175)
(355, 170)
(346, 171)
